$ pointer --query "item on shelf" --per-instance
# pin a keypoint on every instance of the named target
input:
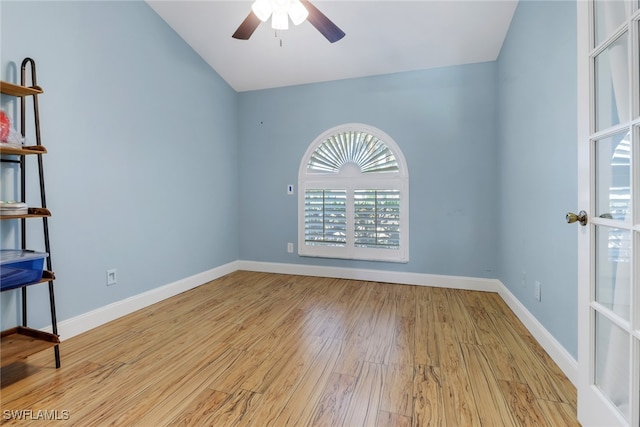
(13, 208)
(5, 126)
(8, 136)
(20, 267)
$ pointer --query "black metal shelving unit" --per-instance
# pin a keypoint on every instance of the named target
(19, 342)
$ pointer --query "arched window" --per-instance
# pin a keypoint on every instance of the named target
(353, 199)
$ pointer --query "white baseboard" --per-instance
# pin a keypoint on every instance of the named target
(556, 351)
(84, 322)
(399, 277)
(92, 319)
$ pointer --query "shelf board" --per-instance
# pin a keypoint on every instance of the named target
(16, 90)
(46, 277)
(32, 213)
(20, 342)
(26, 150)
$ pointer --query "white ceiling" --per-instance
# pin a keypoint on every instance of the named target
(382, 37)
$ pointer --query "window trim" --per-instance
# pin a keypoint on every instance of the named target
(350, 181)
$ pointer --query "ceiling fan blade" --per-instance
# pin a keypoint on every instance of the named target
(247, 27)
(322, 23)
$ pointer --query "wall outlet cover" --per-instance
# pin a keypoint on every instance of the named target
(111, 277)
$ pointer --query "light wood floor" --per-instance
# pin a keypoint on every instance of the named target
(257, 349)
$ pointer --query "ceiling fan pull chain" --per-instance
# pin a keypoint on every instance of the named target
(277, 35)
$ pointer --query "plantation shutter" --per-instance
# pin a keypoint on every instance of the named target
(325, 217)
(377, 219)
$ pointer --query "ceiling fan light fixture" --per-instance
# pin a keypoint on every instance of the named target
(279, 20)
(297, 12)
(280, 12)
(262, 9)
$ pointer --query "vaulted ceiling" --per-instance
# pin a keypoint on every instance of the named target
(382, 37)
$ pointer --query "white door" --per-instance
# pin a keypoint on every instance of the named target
(609, 190)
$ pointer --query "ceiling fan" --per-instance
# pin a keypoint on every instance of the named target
(280, 12)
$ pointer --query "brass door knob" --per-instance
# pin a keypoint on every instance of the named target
(581, 217)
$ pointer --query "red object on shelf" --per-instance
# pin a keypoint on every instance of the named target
(5, 126)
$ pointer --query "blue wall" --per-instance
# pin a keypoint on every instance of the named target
(538, 163)
(159, 169)
(142, 164)
(443, 120)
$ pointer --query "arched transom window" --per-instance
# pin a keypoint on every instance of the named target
(354, 196)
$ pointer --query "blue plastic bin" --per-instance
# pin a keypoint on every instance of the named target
(20, 267)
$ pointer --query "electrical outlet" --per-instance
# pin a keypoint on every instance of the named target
(290, 189)
(111, 277)
(290, 248)
(537, 291)
(524, 279)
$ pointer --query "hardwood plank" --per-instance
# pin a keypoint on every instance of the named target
(464, 324)
(533, 371)
(172, 360)
(276, 394)
(397, 394)
(332, 407)
(503, 363)
(383, 330)
(237, 373)
(405, 297)
(558, 414)
(402, 350)
(487, 393)
(365, 405)
(108, 347)
(426, 349)
(428, 404)
(200, 409)
(522, 403)
(165, 400)
(234, 410)
(440, 305)
(47, 387)
(347, 309)
(268, 333)
(476, 299)
(16, 371)
(564, 386)
(300, 407)
(158, 340)
(388, 419)
(359, 336)
(486, 330)
(272, 369)
(459, 402)
(327, 323)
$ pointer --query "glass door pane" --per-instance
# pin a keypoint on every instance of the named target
(613, 174)
(612, 363)
(612, 84)
(608, 16)
(613, 270)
